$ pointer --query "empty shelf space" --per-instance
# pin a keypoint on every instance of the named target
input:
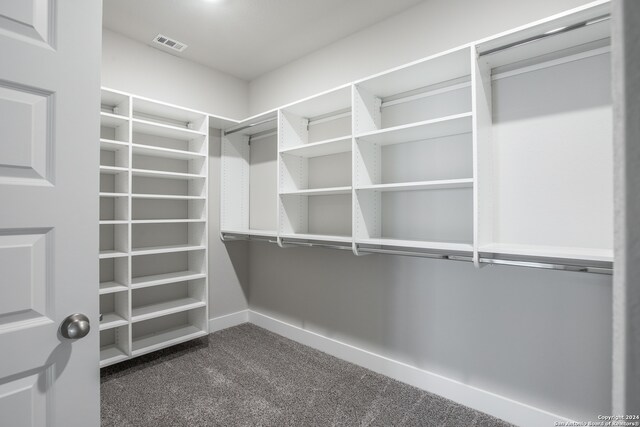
(112, 320)
(166, 249)
(164, 130)
(149, 150)
(113, 145)
(164, 308)
(556, 252)
(161, 279)
(166, 221)
(112, 254)
(111, 287)
(318, 192)
(439, 246)
(428, 129)
(112, 120)
(166, 338)
(112, 170)
(321, 148)
(111, 354)
(166, 175)
(318, 237)
(423, 185)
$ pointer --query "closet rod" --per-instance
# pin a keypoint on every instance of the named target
(316, 245)
(550, 33)
(250, 125)
(530, 264)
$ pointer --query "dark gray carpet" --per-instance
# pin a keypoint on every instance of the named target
(247, 376)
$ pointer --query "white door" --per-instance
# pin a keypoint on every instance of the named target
(49, 128)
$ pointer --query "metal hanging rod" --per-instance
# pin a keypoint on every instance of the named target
(250, 125)
(550, 33)
(315, 245)
(259, 136)
(425, 92)
(329, 117)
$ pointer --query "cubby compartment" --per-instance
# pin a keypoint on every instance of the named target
(114, 209)
(114, 345)
(168, 210)
(114, 154)
(440, 219)
(545, 148)
(434, 89)
(114, 309)
(324, 216)
(114, 275)
(303, 175)
(167, 235)
(167, 188)
(249, 192)
(437, 160)
(114, 182)
(148, 303)
(114, 127)
(158, 269)
(114, 240)
(170, 116)
(160, 332)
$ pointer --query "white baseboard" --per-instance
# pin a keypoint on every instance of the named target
(498, 406)
(228, 320)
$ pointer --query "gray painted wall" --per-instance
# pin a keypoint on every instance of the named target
(540, 337)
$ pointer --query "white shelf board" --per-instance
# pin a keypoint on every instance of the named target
(104, 194)
(165, 175)
(160, 109)
(319, 237)
(112, 120)
(165, 197)
(423, 73)
(321, 148)
(163, 130)
(251, 232)
(422, 185)
(166, 249)
(112, 170)
(112, 98)
(111, 354)
(114, 222)
(318, 192)
(113, 145)
(428, 129)
(148, 343)
(138, 314)
(558, 252)
(270, 118)
(440, 246)
(112, 320)
(166, 221)
(111, 287)
(112, 254)
(324, 103)
(163, 279)
(148, 150)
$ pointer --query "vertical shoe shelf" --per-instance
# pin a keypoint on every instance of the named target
(153, 225)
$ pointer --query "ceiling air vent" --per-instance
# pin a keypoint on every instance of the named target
(170, 43)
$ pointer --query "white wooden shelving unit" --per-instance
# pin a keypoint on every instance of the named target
(499, 151)
(153, 225)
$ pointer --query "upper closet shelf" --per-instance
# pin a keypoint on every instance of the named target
(164, 130)
(169, 153)
(426, 72)
(428, 129)
(335, 100)
(422, 185)
(321, 148)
